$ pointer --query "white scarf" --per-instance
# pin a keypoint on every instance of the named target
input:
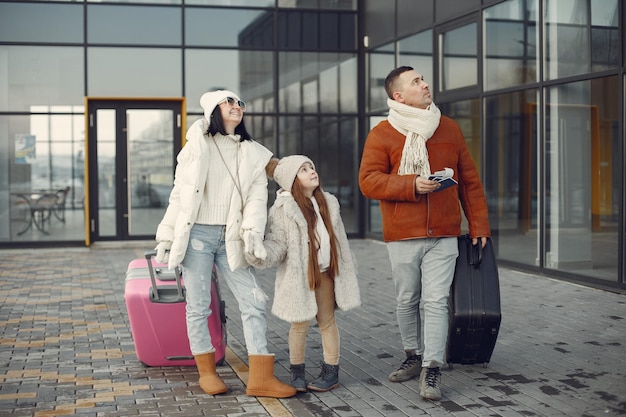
(418, 125)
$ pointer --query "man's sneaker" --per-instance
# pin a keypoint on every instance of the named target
(409, 369)
(430, 380)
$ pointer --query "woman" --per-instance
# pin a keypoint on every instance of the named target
(217, 210)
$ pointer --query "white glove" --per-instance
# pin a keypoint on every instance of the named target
(253, 244)
(163, 252)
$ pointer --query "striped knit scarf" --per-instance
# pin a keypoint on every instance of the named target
(418, 125)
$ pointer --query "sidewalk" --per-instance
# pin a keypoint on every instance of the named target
(66, 349)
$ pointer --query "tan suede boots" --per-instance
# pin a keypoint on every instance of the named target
(261, 379)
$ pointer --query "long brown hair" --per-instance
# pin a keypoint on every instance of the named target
(306, 206)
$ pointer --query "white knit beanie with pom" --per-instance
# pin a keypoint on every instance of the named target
(209, 101)
(286, 170)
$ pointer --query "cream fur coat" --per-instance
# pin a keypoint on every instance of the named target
(287, 245)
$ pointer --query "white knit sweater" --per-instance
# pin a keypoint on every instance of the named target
(219, 186)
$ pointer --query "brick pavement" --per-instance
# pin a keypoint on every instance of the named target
(66, 349)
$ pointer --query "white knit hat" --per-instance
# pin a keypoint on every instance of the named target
(287, 169)
(209, 101)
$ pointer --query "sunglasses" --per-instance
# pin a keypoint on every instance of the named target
(232, 101)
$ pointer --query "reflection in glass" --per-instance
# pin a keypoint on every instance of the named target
(134, 25)
(229, 27)
(466, 113)
(56, 79)
(202, 75)
(300, 81)
(134, 72)
(380, 64)
(511, 184)
(322, 4)
(31, 22)
(150, 170)
(417, 51)
(581, 36)
(459, 57)
(374, 217)
(253, 3)
(510, 44)
(583, 177)
(53, 164)
(106, 152)
(348, 86)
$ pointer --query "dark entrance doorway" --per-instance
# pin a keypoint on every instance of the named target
(132, 146)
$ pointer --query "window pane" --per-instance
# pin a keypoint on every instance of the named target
(299, 78)
(322, 4)
(134, 25)
(380, 64)
(42, 152)
(510, 44)
(459, 59)
(417, 51)
(346, 180)
(257, 79)
(37, 75)
(604, 35)
(229, 27)
(328, 84)
(511, 165)
(317, 31)
(348, 86)
(246, 73)
(32, 22)
(467, 115)
(252, 3)
(375, 220)
(134, 72)
(583, 178)
(135, 1)
(581, 36)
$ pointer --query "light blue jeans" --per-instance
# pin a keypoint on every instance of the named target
(207, 247)
(423, 269)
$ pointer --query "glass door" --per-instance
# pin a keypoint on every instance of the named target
(132, 150)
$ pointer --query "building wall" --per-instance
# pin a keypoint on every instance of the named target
(537, 87)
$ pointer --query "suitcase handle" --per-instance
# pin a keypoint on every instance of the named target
(155, 289)
(475, 253)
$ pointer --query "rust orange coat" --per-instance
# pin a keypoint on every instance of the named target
(407, 215)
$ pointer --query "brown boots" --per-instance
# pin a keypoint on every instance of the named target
(261, 380)
(210, 382)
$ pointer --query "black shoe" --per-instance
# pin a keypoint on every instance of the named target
(328, 379)
(410, 368)
(298, 377)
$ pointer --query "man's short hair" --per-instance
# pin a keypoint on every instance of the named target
(392, 77)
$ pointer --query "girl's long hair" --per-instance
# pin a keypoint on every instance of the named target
(306, 206)
(217, 126)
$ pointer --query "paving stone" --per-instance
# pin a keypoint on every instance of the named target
(66, 348)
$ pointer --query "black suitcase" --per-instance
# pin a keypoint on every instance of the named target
(474, 305)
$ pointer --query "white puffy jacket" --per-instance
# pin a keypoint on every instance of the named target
(189, 182)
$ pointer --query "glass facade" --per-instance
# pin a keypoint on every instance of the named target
(537, 87)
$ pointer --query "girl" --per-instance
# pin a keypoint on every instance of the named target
(217, 211)
(316, 273)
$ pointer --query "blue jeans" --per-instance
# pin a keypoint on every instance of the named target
(422, 270)
(207, 247)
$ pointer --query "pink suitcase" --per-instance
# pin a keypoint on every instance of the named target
(155, 301)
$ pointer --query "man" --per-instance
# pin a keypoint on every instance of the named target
(421, 222)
